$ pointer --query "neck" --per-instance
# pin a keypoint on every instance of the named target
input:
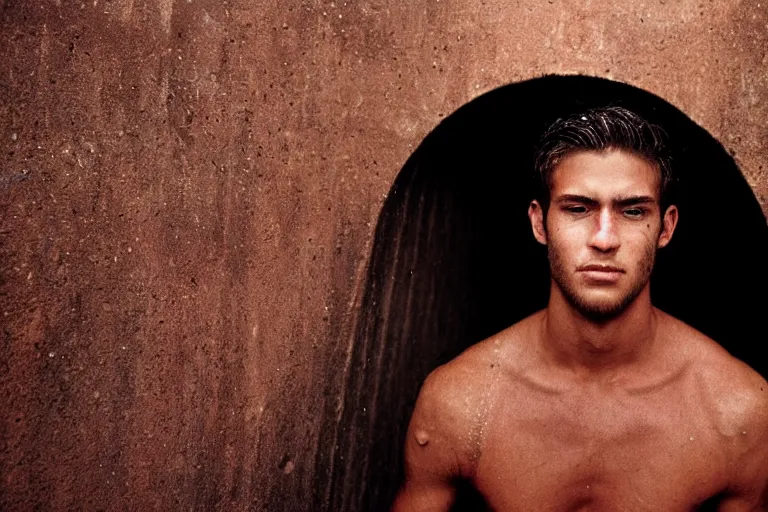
(584, 345)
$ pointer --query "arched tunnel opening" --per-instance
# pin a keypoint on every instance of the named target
(454, 260)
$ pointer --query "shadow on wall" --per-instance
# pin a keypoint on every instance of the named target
(454, 260)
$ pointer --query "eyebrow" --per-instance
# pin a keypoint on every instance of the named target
(619, 201)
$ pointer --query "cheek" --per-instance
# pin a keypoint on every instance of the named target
(576, 234)
(641, 244)
(651, 233)
(641, 233)
(566, 242)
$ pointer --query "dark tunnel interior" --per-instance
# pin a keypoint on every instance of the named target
(454, 260)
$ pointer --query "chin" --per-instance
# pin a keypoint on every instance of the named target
(599, 307)
(598, 303)
(600, 311)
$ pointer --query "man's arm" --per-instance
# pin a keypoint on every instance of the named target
(436, 444)
(749, 491)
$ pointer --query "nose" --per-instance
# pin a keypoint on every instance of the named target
(605, 238)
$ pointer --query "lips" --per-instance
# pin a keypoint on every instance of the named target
(601, 268)
(601, 273)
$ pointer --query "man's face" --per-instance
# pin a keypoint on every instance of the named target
(602, 229)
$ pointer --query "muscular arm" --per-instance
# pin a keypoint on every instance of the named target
(428, 486)
(436, 448)
(749, 491)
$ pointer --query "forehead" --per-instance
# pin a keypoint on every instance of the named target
(605, 174)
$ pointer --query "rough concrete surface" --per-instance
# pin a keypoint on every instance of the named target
(188, 195)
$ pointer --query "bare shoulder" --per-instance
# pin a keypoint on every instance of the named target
(455, 400)
(737, 395)
(469, 380)
(450, 403)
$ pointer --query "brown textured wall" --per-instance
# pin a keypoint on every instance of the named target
(189, 190)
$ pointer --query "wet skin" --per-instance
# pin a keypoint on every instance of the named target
(599, 402)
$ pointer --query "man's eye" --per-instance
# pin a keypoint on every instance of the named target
(634, 212)
(575, 209)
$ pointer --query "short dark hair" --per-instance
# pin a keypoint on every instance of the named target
(600, 129)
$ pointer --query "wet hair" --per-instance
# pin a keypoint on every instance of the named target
(601, 129)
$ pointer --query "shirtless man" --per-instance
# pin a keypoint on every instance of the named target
(600, 402)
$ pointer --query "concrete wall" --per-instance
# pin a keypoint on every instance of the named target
(188, 195)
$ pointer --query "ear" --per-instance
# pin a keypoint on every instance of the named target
(536, 215)
(668, 224)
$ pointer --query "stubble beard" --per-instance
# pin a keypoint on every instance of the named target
(599, 310)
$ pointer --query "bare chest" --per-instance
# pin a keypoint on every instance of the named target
(564, 453)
